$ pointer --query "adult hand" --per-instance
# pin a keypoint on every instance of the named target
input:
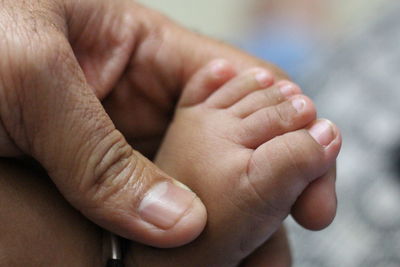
(58, 58)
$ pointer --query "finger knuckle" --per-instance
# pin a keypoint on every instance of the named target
(111, 166)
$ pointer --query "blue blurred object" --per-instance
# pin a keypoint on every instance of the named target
(286, 45)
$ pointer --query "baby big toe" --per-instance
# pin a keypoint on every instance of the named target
(282, 168)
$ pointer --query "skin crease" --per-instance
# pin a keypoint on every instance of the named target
(133, 53)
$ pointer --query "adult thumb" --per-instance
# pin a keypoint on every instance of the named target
(58, 120)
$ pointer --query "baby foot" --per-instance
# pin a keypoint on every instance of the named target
(240, 144)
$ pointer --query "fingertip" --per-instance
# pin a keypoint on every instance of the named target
(190, 226)
(159, 212)
(174, 214)
(187, 229)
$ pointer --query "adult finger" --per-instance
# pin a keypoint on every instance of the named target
(51, 113)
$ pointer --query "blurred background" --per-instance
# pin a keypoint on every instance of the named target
(346, 56)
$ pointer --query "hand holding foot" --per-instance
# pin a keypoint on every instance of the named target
(231, 217)
(249, 149)
(59, 59)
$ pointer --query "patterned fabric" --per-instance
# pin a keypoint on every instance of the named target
(357, 85)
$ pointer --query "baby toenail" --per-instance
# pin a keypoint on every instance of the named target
(287, 89)
(263, 78)
(323, 132)
(218, 67)
(299, 104)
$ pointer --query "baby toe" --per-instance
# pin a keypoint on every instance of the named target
(264, 98)
(272, 121)
(283, 167)
(240, 86)
(206, 81)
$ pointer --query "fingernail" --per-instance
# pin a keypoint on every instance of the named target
(299, 104)
(165, 204)
(323, 132)
(263, 78)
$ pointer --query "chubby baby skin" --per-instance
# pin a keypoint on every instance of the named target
(254, 152)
